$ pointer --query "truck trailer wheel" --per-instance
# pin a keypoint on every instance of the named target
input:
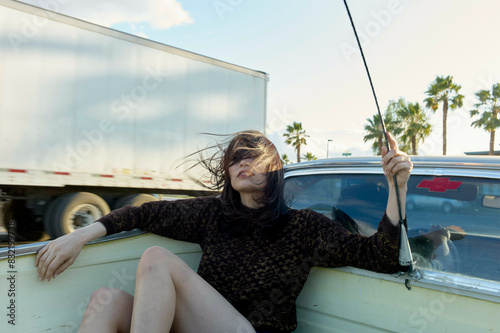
(133, 200)
(73, 211)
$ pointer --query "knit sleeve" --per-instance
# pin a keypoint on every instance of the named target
(181, 219)
(333, 246)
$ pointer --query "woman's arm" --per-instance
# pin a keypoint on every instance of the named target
(59, 254)
(182, 220)
(396, 162)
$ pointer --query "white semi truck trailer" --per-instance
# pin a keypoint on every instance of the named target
(92, 119)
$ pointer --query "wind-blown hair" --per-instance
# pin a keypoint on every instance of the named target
(243, 145)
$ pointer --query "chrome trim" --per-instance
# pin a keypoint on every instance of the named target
(370, 165)
(24, 250)
(378, 171)
(435, 162)
(468, 286)
(340, 170)
(452, 283)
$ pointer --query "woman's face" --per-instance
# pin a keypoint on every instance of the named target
(247, 176)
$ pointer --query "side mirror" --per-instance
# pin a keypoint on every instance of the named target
(491, 201)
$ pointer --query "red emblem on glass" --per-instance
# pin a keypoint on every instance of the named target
(439, 184)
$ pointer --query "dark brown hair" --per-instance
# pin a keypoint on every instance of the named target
(242, 145)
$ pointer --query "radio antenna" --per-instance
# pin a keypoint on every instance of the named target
(405, 256)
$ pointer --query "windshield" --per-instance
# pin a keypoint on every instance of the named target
(450, 227)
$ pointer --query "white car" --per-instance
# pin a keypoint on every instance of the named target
(342, 299)
(418, 201)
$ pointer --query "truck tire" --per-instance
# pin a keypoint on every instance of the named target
(133, 200)
(73, 211)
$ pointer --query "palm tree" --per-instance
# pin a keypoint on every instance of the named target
(284, 159)
(415, 123)
(296, 137)
(374, 128)
(309, 157)
(443, 89)
(375, 133)
(488, 120)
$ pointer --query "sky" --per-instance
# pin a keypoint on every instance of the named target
(316, 74)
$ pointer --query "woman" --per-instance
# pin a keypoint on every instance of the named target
(257, 253)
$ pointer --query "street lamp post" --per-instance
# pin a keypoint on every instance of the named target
(327, 147)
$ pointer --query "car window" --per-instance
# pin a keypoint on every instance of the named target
(453, 222)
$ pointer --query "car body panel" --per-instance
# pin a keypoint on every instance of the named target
(332, 300)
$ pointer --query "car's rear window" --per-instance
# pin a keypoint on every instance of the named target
(454, 222)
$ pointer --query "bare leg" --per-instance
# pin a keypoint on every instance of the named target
(169, 294)
(109, 310)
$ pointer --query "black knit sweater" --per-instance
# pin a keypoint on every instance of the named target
(261, 276)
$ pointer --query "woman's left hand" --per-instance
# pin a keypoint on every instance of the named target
(396, 162)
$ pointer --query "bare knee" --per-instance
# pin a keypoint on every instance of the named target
(156, 253)
(102, 296)
(158, 260)
(107, 305)
(107, 297)
(153, 258)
